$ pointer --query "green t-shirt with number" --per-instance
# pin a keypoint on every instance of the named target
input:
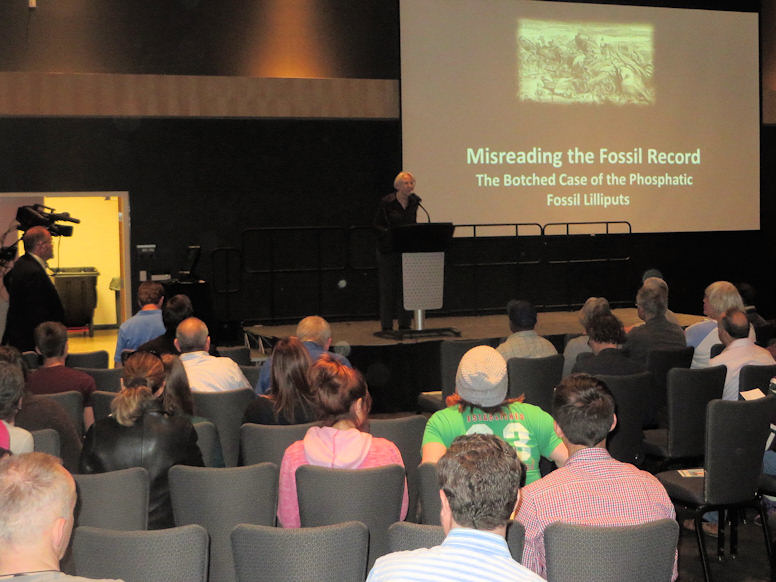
(524, 426)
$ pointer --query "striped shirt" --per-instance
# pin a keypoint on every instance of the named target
(466, 555)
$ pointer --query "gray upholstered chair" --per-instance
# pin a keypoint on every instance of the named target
(404, 535)
(659, 362)
(95, 359)
(516, 539)
(753, 376)
(178, 554)
(332, 553)
(428, 491)
(46, 440)
(626, 441)
(220, 499)
(251, 373)
(536, 378)
(32, 359)
(265, 443)
(240, 354)
(106, 379)
(225, 410)
(113, 500)
(636, 553)
(101, 403)
(406, 432)
(372, 496)
(209, 443)
(73, 403)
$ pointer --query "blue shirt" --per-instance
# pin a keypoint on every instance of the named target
(138, 329)
(315, 350)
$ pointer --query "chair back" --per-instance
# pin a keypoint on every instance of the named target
(73, 402)
(716, 350)
(240, 354)
(178, 554)
(516, 540)
(406, 432)
(225, 410)
(95, 359)
(251, 374)
(101, 403)
(372, 496)
(753, 376)
(735, 440)
(659, 362)
(536, 378)
(209, 444)
(114, 500)
(220, 499)
(46, 440)
(428, 485)
(106, 379)
(33, 359)
(266, 443)
(404, 535)
(625, 442)
(689, 392)
(332, 553)
(764, 334)
(606, 554)
(450, 354)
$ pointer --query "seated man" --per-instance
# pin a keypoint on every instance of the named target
(524, 341)
(176, 309)
(479, 482)
(37, 497)
(740, 350)
(146, 324)
(657, 333)
(606, 336)
(12, 438)
(206, 373)
(591, 488)
(53, 376)
(315, 334)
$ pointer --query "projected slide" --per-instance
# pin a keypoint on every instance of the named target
(556, 112)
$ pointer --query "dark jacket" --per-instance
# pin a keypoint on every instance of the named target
(155, 442)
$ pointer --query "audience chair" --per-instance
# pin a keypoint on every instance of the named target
(73, 402)
(209, 444)
(659, 362)
(32, 359)
(625, 442)
(101, 403)
(225, 410)
(113, 500)
(428, 485)
(372, 496)
(96, 359)
(764, 334)
(240, 354)
(220, 499)
(635, 553)
(404, 535)
(767, 486)
(178, 554)
(251, 373)
(46, 440)
(406, 433)
(266, 443)
(332, 553)
(516, 539)
(536, 378)
(689, 393)
(106, 379)
(716, 350)
(753, 376)
(735, 440)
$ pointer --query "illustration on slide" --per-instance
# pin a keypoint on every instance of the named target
(581, 62)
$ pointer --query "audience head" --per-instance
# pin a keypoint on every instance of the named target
(592, 306)
(176, 309)
(177, 391)
(51, 339)
(11, 390)
(192, 336)
(606, 329)
(733, 325)
(37, 240)
(479, 476)
(583, 409)
(522, 315)
(747, 293)
(314, 328)
(150, 293)
(13, 356)
(651, 301)
(289, 386)
(340, 392)
(481, 379)
(651, 274)
(141, 377)
(719, 297)
(37, 497)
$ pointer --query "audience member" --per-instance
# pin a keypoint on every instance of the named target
(479, 482)
(175, 309)
(579, 345)
(524, 341)
(343, 404)
(717, 299)
(740, 350)
(290, 400)
(53, 376)
(606, 336)
(146, 324)
(37, 498)
(654, 278)
(657, 333)
(481, 390)
(5, 267)
(140, 434)
(11, 392)
(748, 293)
(206, 373)
(315, 334)
(591, 488)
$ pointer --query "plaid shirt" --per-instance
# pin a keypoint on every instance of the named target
(590, 489)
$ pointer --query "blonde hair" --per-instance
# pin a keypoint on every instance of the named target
(130, 404)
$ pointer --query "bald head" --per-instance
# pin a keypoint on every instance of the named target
(37, 240)
(314, 328)
(192, 336)
(734, 324)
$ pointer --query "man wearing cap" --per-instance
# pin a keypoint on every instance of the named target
(481, 407)
(524, 341)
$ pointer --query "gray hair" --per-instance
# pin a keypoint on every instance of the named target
(722, 295)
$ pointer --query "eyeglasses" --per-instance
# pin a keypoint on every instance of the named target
(126, 354)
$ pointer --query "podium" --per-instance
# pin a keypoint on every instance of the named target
(422, 248)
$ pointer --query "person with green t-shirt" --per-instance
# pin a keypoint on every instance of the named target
(481, 388)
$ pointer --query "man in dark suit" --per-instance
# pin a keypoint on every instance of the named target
(33, 297)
